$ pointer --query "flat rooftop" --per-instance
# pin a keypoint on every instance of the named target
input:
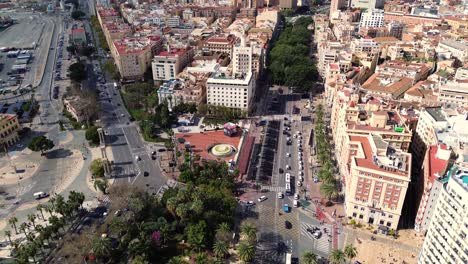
(436, 114)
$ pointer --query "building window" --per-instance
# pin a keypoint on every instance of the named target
(361, 216)
(390, 216)
(389, 223)
(382, 222)
(354, 214)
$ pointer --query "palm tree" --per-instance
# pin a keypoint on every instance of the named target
(329, 190)
(12, 221)
(223, 232)
(350, 252)
(177, 260)
(220, 249)
(197, 207)
(182, 211)
(309, 258)
(326, 176)
(250, 231)
(8, 234)
(39, 208)
(171, 205)
(31, 250)
(201, 258)
(224, 227)
(101, 247)
(32, 219)
(23, 227)
(246, 251)
(337, 257)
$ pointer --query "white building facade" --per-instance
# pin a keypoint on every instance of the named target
(232, 92)
(446, 240)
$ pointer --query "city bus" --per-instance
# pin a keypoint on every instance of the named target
(288, 177)
(287, 190)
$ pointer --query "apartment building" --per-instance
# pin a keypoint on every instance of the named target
(372, 18)
(133, 56)
(222, 44)
(9, 127)
(446, 239)
(367, 4)
(166, 92)
(352, 115)
(287, 4)
(230, 91)
(436, 164)
(376, 180)
(242, 59)
(334, 52)
(167, 64)
(393, 78)
(457, 49)
(454, 93)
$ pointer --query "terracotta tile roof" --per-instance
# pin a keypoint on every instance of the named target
(367, 161)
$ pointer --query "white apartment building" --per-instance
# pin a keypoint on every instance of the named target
(173, 21)
(368, 4)
(242, 59)
(232, 92)
(454, 93)
(446, 240)
(457, 49)
(167, 64)
(372, 18)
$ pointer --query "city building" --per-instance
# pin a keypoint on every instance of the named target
(9, 127)
(167, 64)
(372, 18)
(376, 180)
(457, 49)
(436, 162)
(133, 56)
(166, 92)
(287, 4)
(454, 94)
(231, 91)
(367, 4)
(220, 44)
(242, 59)
(446, 239)
(393, 78)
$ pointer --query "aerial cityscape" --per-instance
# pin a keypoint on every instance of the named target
(234, 131)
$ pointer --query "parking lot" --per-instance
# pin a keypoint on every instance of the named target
(26, 36)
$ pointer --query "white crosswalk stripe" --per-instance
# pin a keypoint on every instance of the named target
(322, 243)
(273, 188)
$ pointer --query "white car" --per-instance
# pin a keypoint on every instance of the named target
(299, 183)
(300, 163)
(137, 158)
(288, 167)
(262, 198)
(295, 136)
(301, 178)
(280, 195)
(301, 168)
(296, 196)
(288, 154)
(301, 173)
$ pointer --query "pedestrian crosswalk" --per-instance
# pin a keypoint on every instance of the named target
(273, 188)
(323, 243)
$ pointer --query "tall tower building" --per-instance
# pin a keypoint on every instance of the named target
(242, 59)
(446, 239)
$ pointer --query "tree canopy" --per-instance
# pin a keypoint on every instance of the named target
(41, 143)
(92, 135)
(290, 61)
(77, 71)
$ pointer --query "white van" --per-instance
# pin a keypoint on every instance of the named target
(296, 203)
(40, 195)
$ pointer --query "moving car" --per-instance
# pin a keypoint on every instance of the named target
(262, 198)
(280, 195)
(287, 224)
(40, 195)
